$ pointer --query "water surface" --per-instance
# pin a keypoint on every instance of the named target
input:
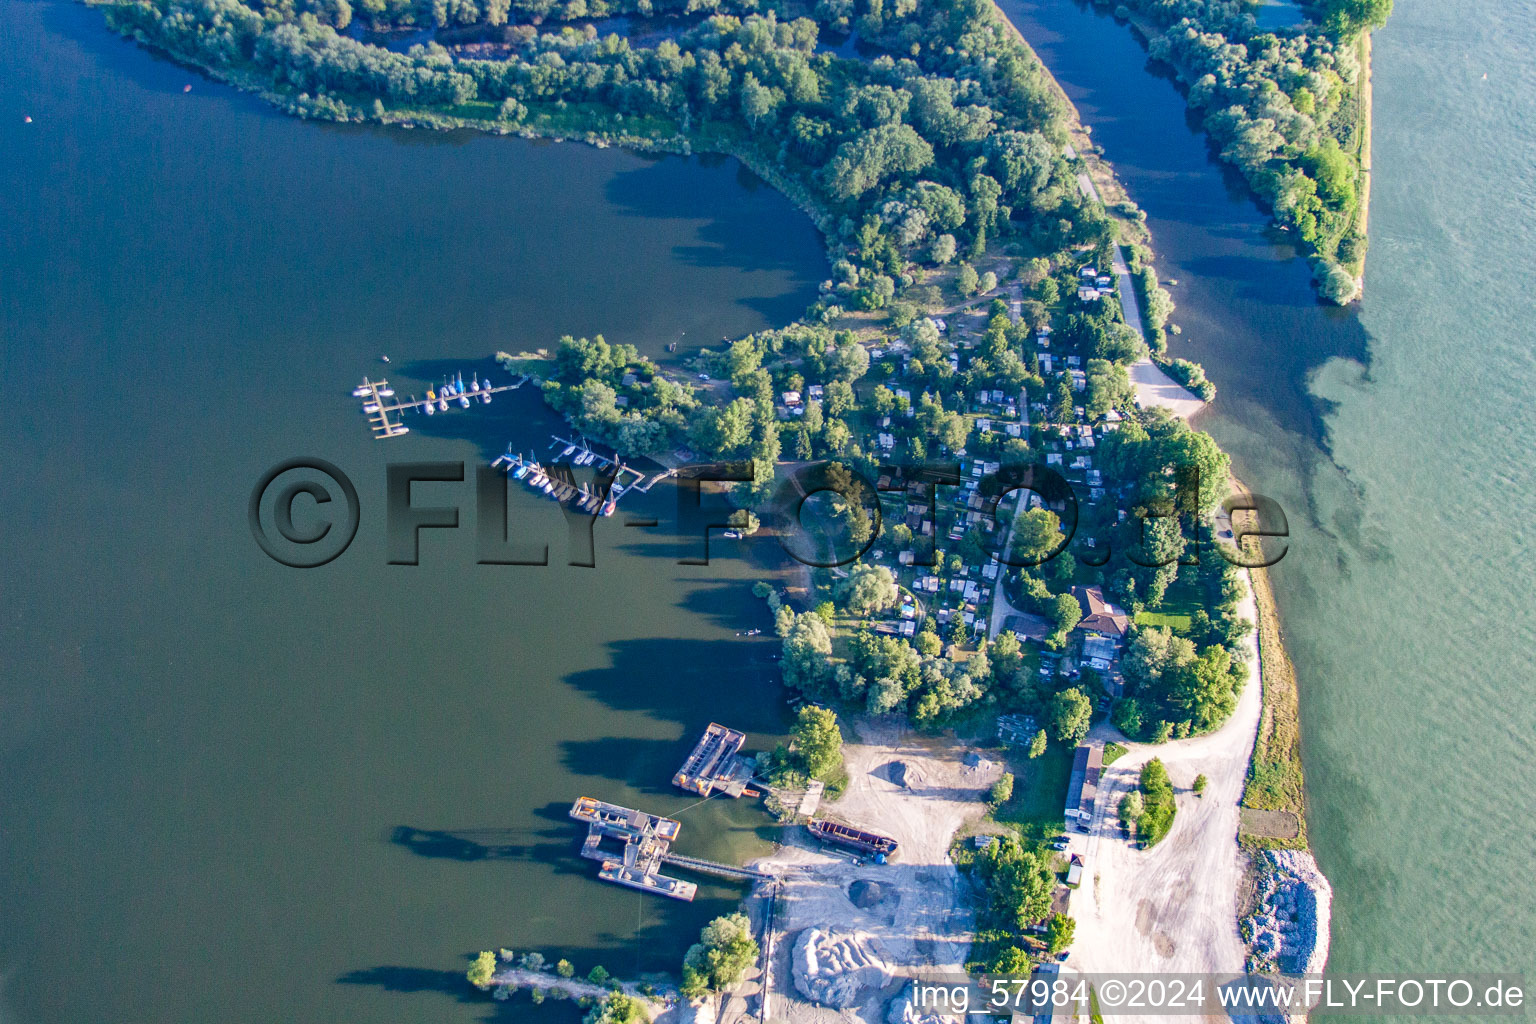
(247, 793)
(1397, 437)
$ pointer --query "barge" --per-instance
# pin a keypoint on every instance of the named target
(716, 764)
(853, 838)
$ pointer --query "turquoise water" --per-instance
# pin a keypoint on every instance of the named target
(1412, 624)
(1397, 436)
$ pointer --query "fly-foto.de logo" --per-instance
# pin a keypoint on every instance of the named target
(305, 512)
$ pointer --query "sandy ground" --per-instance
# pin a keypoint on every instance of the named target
(1174, 907)
(1154, 387)
(662, 1010)
(923, 919)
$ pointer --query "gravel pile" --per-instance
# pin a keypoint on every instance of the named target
(837, 969)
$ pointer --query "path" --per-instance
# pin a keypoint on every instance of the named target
(580, 988)
(1153, 386)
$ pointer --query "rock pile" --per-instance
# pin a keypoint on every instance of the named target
(904, 1012)
(1288, 930)
(837, 969)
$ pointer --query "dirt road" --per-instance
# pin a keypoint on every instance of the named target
(1174, 907)
(914, 910)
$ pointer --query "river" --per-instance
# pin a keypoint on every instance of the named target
(215, 767)
(1397, 436)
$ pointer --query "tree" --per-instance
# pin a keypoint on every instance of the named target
(1131, 807)
(1334, 173)
(1019, 883)
(818, 743)
(1061, 402)
(943, 249)
(1200, 783)
(966, 280)
(868, 589)
(1157, 791)
(565, 969)
(805, 651)
(481, 971)
(722, 956)
(1351, 17)
(1002, 790)
(598, 975)
(1206, 689)
(1058, 934)
(1037, 745)
(1067, 613)
(1071, 715)
(1036, 535)
(618, 1008)
(1012, 962)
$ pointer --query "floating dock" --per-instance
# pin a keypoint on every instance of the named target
(382, 411)
(716, 764)
(612, 479)
(646, 839)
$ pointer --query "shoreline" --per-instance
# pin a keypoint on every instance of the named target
(1099, 171)
(1362, 223)
(1276, 737)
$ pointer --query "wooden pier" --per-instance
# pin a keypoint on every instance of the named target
(612, 478)
(382, 411)
(715, 764)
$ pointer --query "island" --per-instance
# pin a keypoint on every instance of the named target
(1032, 634)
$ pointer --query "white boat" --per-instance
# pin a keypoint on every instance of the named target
(568, 450)
(387, 392)
(485, 397)
(371, 407)
(361, 392)
(442, 404)
(429, 408)
(463, 401)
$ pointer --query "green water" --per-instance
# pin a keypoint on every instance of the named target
(207, 759)
(1398, 437)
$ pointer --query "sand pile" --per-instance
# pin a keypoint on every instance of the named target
(837, 969)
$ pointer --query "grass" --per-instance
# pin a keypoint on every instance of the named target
(1177, 622)
(1039, 793)
(1114, 752)
(1275, 780)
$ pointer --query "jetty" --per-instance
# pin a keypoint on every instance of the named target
(714, 867)
(717, 765)
(384, 411)
(645, 841)
(611, 480)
